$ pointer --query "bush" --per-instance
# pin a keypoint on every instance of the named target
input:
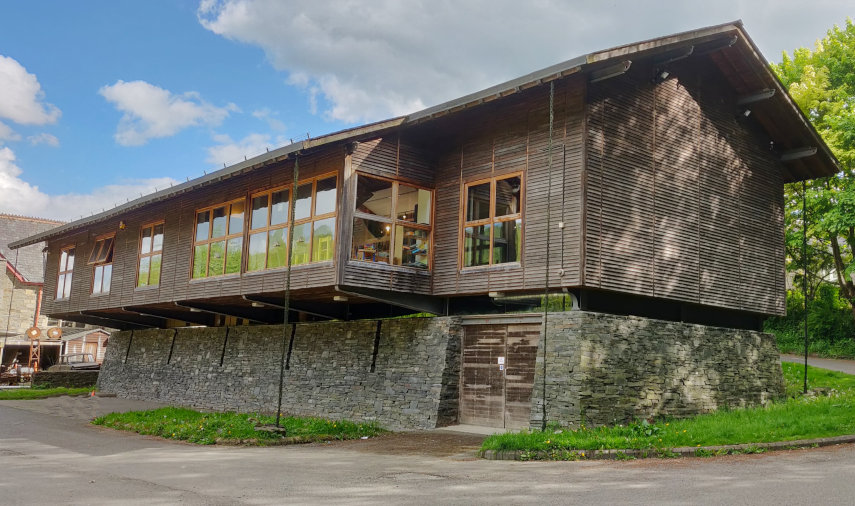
(831, 328)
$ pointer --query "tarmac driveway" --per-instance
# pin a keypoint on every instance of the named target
(49, 454)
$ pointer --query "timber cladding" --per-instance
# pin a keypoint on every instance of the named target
(683, 201)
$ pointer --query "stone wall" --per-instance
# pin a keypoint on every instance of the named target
(65, 379)
(17, 309)
(413, 383)
(602, 369)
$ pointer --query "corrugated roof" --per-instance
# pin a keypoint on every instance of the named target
(590, 62)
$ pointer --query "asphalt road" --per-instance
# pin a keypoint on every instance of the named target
(835, 364)
(49, 455)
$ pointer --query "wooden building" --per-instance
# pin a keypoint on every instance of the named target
(646, 179)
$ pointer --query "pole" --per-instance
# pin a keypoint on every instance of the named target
(291, 205)
(805, 280)
(548, 230)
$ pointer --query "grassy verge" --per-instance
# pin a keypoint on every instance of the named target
(233, 428)
(40, 393)
(797, 417)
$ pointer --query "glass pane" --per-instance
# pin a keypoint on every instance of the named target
(96, 251)
(70, 264)
(142, 274)
(413, 205)
(154, 274)
(218, 229)
(506, 242)
(107, 251)
(325, 196)
(200, 261)
(476, 246)
(234, 250)
(236, 218)
(157, 243)
(259, 212)
(145, 241)
(217, 259)
(279, 213)
(67, 288)
(478, 202)
(257, 252)
(303, 208)
(63, 257)
(508, 196)
(59, 286)
(374, 196)
(96, 279)
(277, 252)
(301, 244)
(322, 240)
(370, 240)
(108, 277)
(202, 225)
(412, 247)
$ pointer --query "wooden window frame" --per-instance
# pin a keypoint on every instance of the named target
(268, 227)
(108, 255)
(313, 217)
(152, 252)
(63, 272)
(210, 240)
(492, 220)
(394, 222)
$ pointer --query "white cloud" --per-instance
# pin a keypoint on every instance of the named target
(19, 197)
(228, 152)
(43, 138)
(364, 61)
(7, 134)
(152, 112)
(22, 98)
(267, 115)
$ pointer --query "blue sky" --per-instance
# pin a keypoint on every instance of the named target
(104, 100)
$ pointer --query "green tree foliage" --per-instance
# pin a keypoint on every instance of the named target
(822, 83)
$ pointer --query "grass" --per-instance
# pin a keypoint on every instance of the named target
(233, 428)
(795, 418)
(40, 393)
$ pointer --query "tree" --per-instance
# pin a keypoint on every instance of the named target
(822, 83)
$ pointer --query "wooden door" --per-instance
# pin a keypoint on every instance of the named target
(497, 374)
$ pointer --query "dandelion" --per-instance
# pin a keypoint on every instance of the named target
(699, 445)
(684, 430)
(547, 441)
(666, 425)
(582, 454)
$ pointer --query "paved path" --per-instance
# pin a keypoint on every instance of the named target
(50, 458)
(834, 364)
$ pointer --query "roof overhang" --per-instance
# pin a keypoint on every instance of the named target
(727, 45)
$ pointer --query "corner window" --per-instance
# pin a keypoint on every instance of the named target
(150, 255)
(392, 223)
(66, 268)
(101, 259)
(218, 244)
(492, 232)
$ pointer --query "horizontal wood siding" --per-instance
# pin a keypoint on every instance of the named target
(682, 201)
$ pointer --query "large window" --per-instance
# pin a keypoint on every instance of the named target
(151, 255)
(218, 245)
(101, 260)
(268, 230)
(314, 221)
(391, 223)
(492, 231)
(66, 268)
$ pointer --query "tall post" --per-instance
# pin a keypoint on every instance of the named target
(287, 305)
(548, 230)
(805, 280)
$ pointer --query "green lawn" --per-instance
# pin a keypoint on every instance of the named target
(233, 428)
(831, 414)
(40, 393)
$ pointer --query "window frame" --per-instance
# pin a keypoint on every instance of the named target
(224, 238)
(312, 218)
(394, 222)
(66, 274)
(267, 227)
(491, 220)
(151, 253)
(109, 255)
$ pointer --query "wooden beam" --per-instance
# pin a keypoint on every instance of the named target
(185, 316)
(251, 314)
(795, 154)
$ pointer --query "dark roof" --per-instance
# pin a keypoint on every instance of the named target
(728, 46)
(26, 261)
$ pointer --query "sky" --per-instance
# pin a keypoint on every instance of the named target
(104, 101)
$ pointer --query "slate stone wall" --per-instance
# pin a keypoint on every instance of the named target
(413, 384)
(603, 369)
